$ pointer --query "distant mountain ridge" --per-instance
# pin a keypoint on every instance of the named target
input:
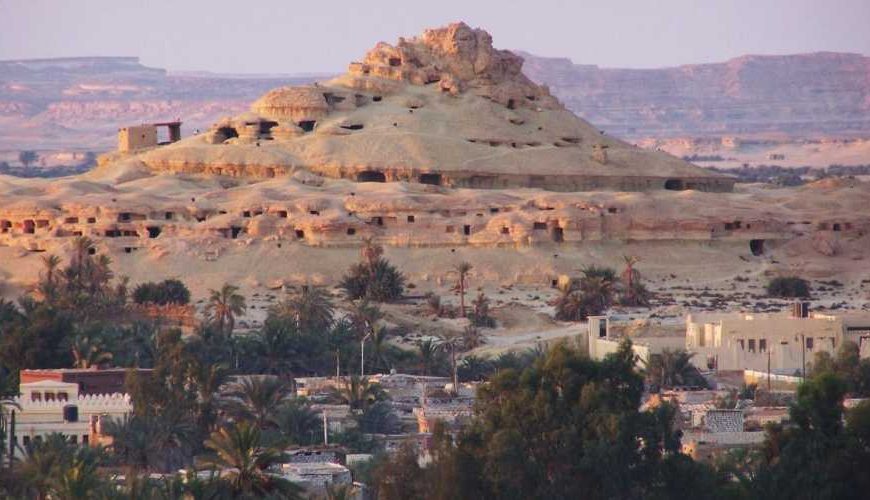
(79, 102)
(800, 95)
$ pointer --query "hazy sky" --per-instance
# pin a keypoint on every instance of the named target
(274, 36)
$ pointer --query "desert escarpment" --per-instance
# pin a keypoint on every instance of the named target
(802, 95)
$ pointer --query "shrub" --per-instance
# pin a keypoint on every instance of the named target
(379, 281)
(166, 292)
(788, 286)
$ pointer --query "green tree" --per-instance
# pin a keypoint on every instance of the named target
(358, 392)
(257, 399)
(374, 278)
(673, 368)
(27, 158)
(238, 452)
(311, 310)
(224, 306)
(462, 270)
(788, 287)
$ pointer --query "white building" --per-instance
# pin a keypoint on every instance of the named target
(50, 406)
(782, 342)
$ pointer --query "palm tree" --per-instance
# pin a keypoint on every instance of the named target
(371, 252)
(358, 392)
(635, 293)
(257, 399)
(462, 270)
(311, 309)
(207, 379)
(672, 368)
(49, 282)
(474, 368)
(471, 338)
(364, 316)
(597, 293)
(88, 351)
(428, 353)
(449, 341)
(380, 351)
(298, 423)
(569, 305)
(223, 307)
(243, 462)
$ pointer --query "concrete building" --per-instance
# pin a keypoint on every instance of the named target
(51, 406)
(782, 343)
(601, 343)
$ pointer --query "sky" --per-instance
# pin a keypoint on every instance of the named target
(291, 36)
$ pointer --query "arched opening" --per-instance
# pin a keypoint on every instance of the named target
(756, 247)
(674, 185)
(224, 133)
(266, 128)
(558, 234)
(307, 125)
(433, 179)
(836, 226)
(511, 104)
(153, 231)
(371, 176)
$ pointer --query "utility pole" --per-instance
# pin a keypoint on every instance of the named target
(804, 357)
(362, 355)
(768, 371)
(325, 430)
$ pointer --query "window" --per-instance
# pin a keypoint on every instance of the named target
(809, 343)
(740, 343)
(74, 439)
(85, 439)
(505, 230)
(36, 396)
(411, 218)
(751, 345)
(49, 396)
(450, 229)
(26, 440)
(762, 345)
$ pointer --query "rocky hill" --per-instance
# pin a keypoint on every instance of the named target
(800, 95)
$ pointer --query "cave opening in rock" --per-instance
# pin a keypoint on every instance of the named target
(836, 227)
(411, 218)
(433, 179)
(756, 247)
(300, 233)
(266, 128)
(224, 133)
(168, 215)
(371, 176)
(540, 226)
(353, 126)
(234, 232)
(674, 185)
(558, 234)
(466, 230)
(511, 104)
(395, 61)
(282, 214)
(29, 227)
(307, 125)
(153, 231)
(377, 98)
(351, 231)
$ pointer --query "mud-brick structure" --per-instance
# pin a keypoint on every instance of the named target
(144, 136)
